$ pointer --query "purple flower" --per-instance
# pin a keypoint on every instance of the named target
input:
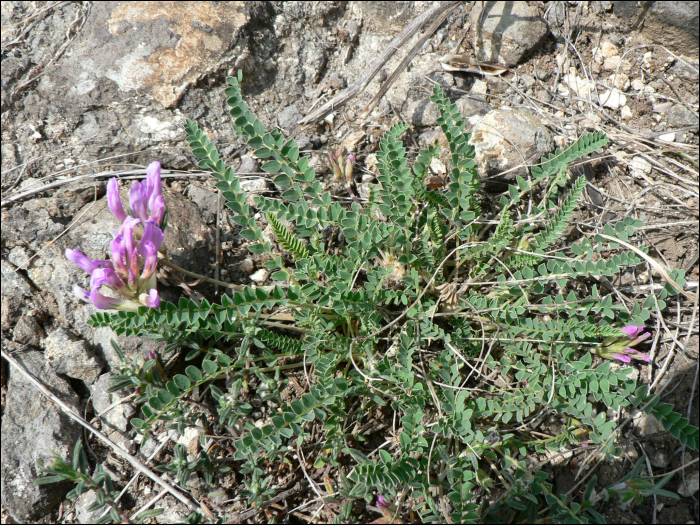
(632, 330)
(620, 347)
(388, 510)
(145, 198)
(130, 273)
(151, 300)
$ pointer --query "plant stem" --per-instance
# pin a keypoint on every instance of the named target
(169, 264)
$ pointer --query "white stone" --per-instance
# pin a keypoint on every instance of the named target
(663, 107)
(660, 459)
(593, 117)
(246, 265)
(581, 86)
(438, 167)
(647, 425)
(620, 81)
(260, 276)
(479, 87)
(612, 63)
(608, 49)
(668, 137)
(637, 84)
(691, 485)
(613, 99)
(625, 113)
(641, 165)
(254, 185)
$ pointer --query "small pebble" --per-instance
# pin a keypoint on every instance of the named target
(637, 84)
(246, 265)
(260, 276)
(609, 49)
(620, 81)
(612, 63)
(641, 165)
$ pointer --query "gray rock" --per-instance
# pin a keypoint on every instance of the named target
(206, 200)
(289, 117)
(660, 459)
(687, 67)
(258, 185)
(470, 106)
(28, 331)
(175, 512)
(424, 112)
(428, 137)
(71, 357)
(527, 80)
(115, 422)
(680, 117)
(33, 429)
(505, 138)
(672, 24)
(249, 166)
(131, 346)
(689, 486)
(506, 31)
(83, 503)
(542, 74)
(118, 417)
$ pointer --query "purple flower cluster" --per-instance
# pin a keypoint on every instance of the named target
(388, 511)
(627, 354)
(131, 270)
(620, 348)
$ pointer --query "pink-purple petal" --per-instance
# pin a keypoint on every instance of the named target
(622, 357)
(150, 257)
(105, 303)
(84, 262)
(138, 200)
(105, 276)
(154, 185)
(114, 200)
(632, 330)
(381, 502)
(151, 300)
(151, 233)
(158, 209)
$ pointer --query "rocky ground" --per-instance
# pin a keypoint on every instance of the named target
(94, 90)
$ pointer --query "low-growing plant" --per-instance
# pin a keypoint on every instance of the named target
(461, 318)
